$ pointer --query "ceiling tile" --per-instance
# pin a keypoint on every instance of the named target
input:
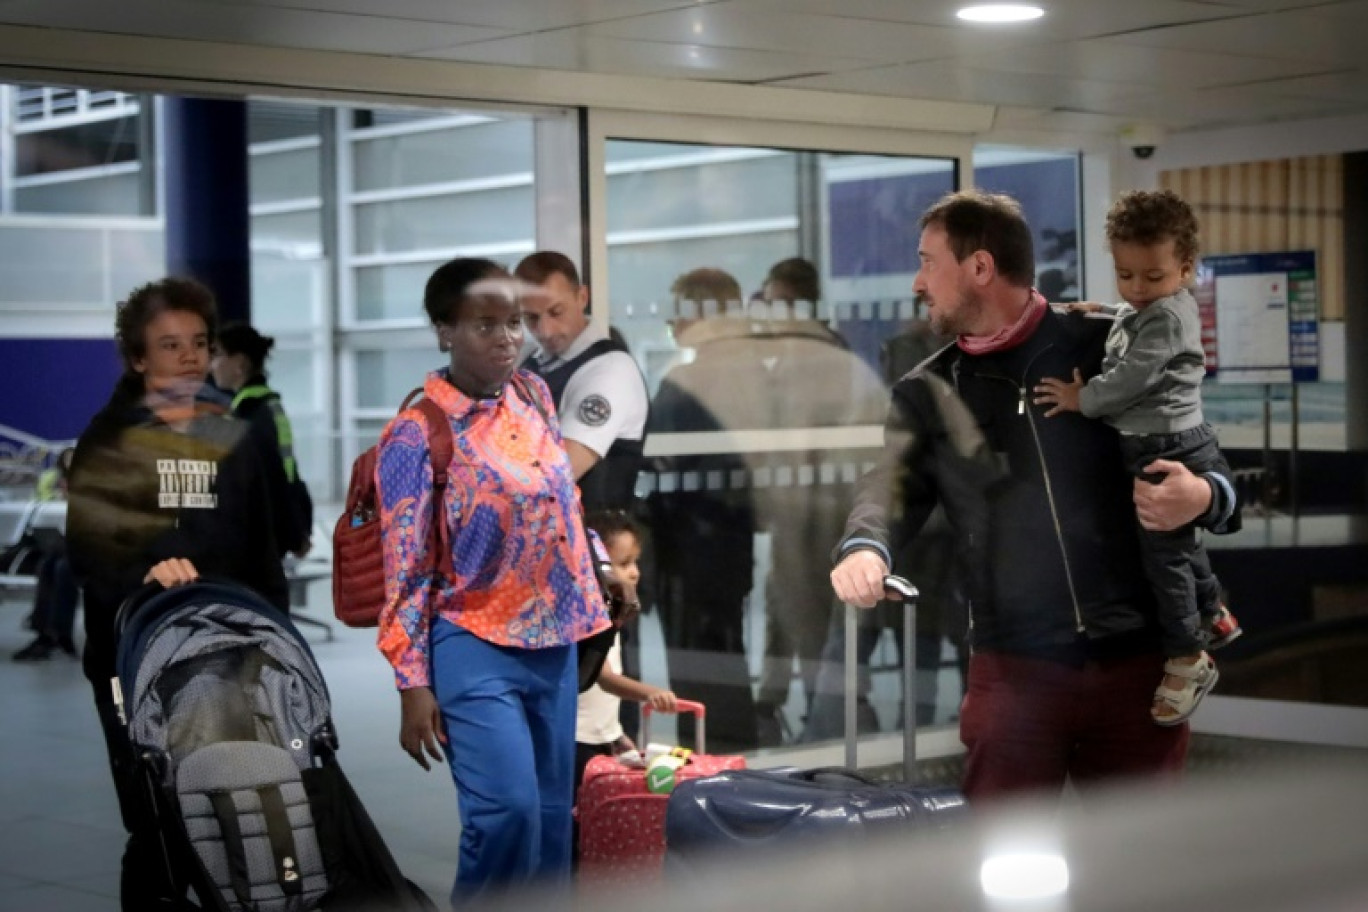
(1063, 18)
(515, 15)
(1269, 5)
(1057, 121)
(234, 24)
(960, 83)
(1090, 18)
(1287, 36)
(1356, 10)
(1218, 107)
(1345, 87)
(727, 25)
(567, 50)
(1108, 61)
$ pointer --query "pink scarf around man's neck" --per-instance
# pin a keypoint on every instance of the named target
(1008, 336)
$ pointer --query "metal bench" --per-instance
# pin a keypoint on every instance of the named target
(13, 581)
(299, 575)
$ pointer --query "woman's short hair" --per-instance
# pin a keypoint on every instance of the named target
(242, 339)
(447, 286)
(147, 302)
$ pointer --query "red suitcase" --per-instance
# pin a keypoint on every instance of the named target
(622, 825)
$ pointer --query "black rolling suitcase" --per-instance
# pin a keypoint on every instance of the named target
(762, 810)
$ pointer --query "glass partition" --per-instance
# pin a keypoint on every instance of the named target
(766, 294)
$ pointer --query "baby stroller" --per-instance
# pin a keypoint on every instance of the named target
(230, 722)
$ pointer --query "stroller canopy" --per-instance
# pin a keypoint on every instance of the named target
(210, 662)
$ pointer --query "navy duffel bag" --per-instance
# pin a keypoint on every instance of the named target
(755, 809)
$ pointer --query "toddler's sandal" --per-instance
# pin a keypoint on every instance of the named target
(1180, 704)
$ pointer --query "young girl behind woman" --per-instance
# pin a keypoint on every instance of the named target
(597, 729)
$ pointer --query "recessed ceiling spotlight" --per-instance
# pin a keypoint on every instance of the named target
(1000, 12)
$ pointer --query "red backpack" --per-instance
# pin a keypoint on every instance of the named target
(358, 554)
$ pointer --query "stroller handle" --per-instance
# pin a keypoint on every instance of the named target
(138, 597)
(131, 603)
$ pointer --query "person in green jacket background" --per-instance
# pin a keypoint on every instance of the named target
(239, 369)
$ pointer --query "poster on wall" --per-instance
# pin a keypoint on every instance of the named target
(1260, 317)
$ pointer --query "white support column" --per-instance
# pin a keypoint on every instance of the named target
(344, 299)
(1098, 191)
(556, 154)
(325, 337)
(7, 151)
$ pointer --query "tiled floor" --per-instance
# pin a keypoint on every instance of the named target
(60, 836)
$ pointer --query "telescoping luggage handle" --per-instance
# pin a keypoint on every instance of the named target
(701, 742)
(909, 595)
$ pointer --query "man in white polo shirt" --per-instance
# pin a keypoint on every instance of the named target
(598, 389)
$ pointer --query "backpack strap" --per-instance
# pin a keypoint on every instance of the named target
(527, 394)
(441, 447)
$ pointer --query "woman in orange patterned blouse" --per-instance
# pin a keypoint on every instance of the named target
(485, 659)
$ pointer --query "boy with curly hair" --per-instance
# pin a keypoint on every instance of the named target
(1150, 391)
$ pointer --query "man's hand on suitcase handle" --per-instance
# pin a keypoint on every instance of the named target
(862, 579)
(896, 588)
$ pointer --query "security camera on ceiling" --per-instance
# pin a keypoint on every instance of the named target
(1143, 139)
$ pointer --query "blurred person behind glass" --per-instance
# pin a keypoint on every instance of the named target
(810, 379)
(165, 486)
(702, 517)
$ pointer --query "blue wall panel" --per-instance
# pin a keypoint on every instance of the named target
(53, 387)
(874, 222)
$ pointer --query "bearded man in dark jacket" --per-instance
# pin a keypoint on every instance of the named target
(1063, 625)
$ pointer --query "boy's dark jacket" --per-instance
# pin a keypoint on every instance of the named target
(141, 492)
(1041, 508)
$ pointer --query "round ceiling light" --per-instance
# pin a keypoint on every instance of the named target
(1000, 12)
